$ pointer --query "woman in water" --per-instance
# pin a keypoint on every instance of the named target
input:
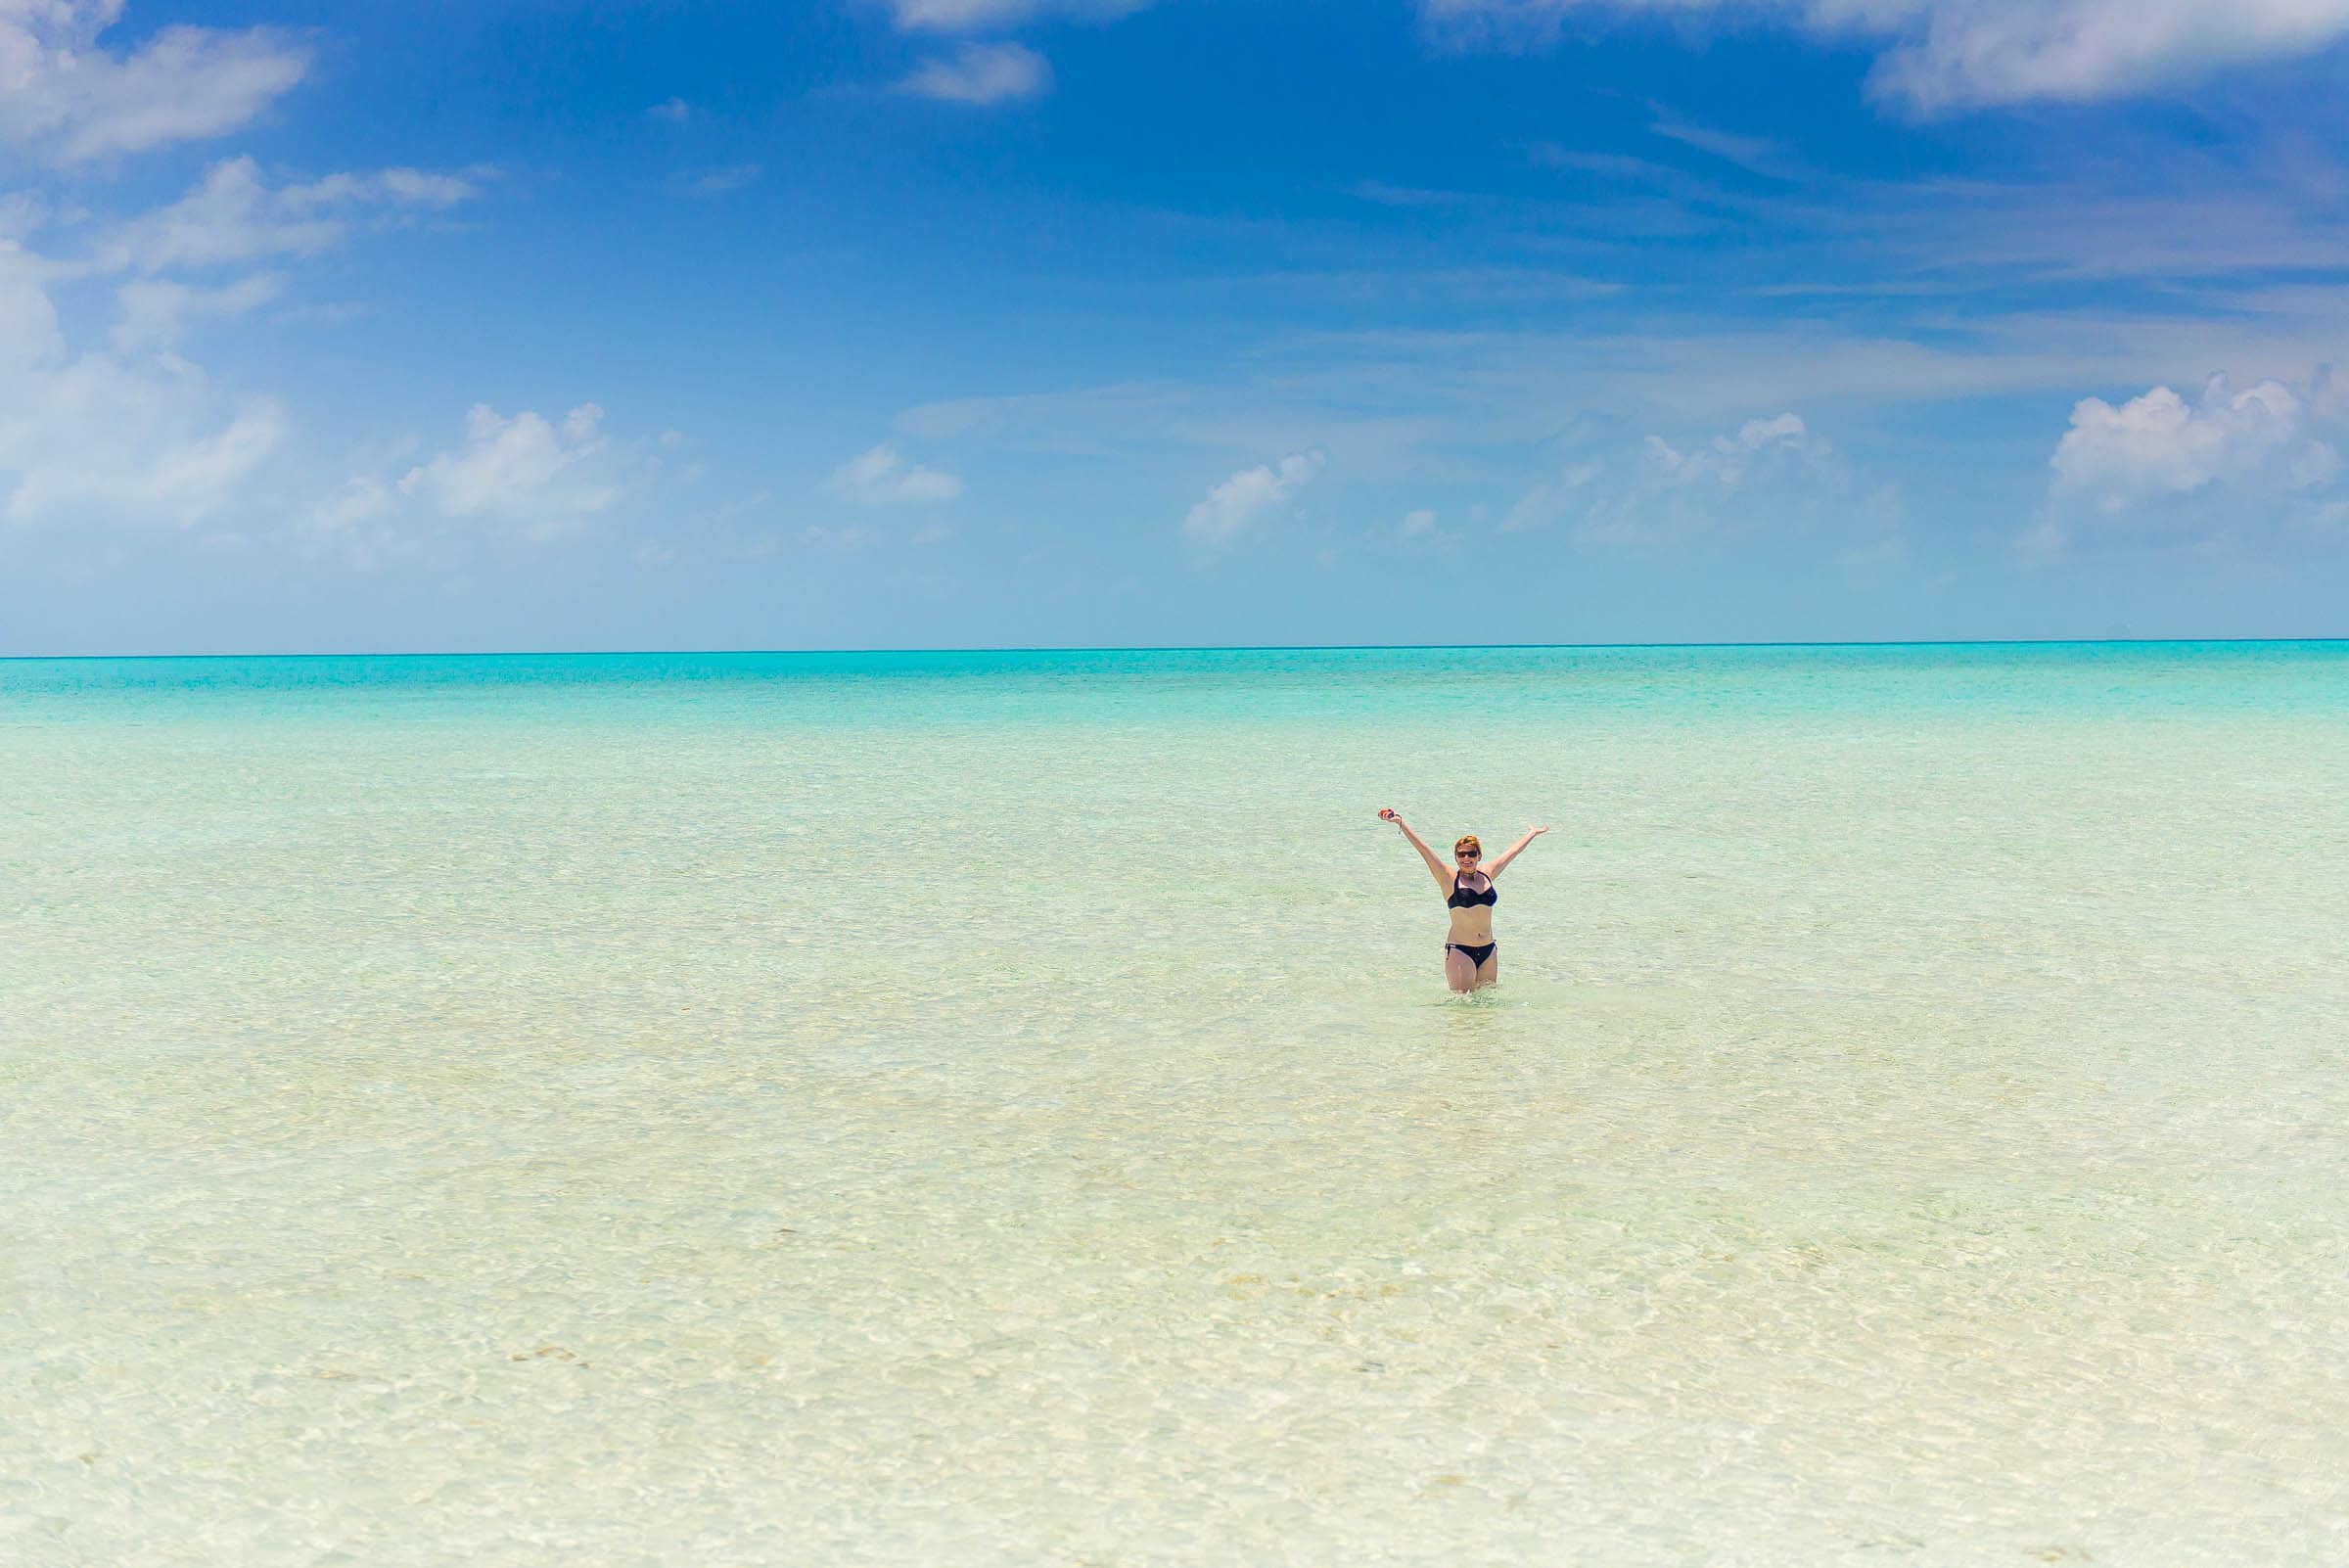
(1471, 957)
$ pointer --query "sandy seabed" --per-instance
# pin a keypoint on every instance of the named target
(1008, 1112)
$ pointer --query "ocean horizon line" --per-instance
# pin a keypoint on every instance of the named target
(1181, 648)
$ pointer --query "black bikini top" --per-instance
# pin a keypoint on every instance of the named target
(1463, 898)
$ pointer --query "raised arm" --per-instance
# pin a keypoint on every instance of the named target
(1442, 872)
(1500, 861)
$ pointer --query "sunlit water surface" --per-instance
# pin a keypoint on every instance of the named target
(1006, 1110)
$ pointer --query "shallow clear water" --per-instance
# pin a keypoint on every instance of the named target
(1006, 1110)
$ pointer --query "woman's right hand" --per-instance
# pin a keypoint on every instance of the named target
(1386, 813)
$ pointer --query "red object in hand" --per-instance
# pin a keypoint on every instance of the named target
(1386, 815)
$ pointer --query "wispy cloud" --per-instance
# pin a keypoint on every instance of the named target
(1407, 196)
(87, 437)
(1769, 477)
(981, 15)
(155, 309)
(1458, 285)
(1234, 505)
(1942, 55)
(544, 476)
(675, 111)
(720, 181)
(236, 215)
(70, 99)
(1757, 154)
(528, 475)
(1551, 499)
(882, 476)
(981, 74)
(113, 444)
(1607, 166)
(139, 436)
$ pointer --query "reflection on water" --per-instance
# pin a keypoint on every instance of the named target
(1007, 1110)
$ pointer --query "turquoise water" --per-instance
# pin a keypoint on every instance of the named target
(1005, 1108)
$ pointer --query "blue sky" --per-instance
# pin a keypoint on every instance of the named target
(1010, 322)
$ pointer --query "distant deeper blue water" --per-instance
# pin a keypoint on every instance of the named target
(1004, 1108)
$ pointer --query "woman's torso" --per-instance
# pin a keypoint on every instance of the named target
(1471, 908)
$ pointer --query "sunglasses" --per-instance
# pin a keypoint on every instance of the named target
(1465, 854)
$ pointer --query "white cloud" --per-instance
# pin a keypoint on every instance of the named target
(153, 309)
(2157, 444)
(882, 476)
(357, 526)
(1236, 503)
(140, 435)
(114, 446)
(1771, 476)
(361, 500)
(524, 470)
(675, 111)
(1948, 54)
(1726, 460)
(720, 181)
(94, 440)
(1418, 522)
(2018, 50)
(976, 16)
(413, 186)
(28, 330)
(1756, 153)
(235, 215)
(981, 73)
(65, 97)
(22, 213)
(1551, 498)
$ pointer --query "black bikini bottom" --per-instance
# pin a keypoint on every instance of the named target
(1476, 956)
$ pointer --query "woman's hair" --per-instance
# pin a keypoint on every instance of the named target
(1467, 840)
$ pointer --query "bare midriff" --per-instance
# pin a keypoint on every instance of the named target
(1472, 925)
